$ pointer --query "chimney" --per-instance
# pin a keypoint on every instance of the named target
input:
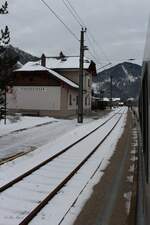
(62, 57)
(43, 60)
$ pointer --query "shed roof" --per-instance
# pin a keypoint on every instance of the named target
(34, 66)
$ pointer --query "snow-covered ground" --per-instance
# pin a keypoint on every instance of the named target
(32, 138)
(24, 122)
(71, 199)
(29, 133)
(74, 188)
(21, 165)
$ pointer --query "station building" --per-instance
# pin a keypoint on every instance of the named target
(50, 87)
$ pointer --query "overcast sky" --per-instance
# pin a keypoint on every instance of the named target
(119, 27)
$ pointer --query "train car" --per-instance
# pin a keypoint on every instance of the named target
(144, 107)
(143, 195)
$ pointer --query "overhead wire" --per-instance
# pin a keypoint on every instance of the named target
(96, 42)
(75, 12)
(58, 17)
(72, 13)
(94, 58)
(78, 19)
(94, 51)
(76, 16)
(82, 23)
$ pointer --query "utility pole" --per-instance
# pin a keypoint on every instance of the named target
(110, 91)
(80, 102)
(99, 84)
(5, 105)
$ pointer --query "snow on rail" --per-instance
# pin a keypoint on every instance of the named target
(71, 199)
(55, 172)
(19, 166)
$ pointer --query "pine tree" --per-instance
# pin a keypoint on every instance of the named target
(4, 8)
(4, 41)
(4, 34)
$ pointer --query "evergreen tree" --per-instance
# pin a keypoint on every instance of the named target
(4, 62)
(4, 8)
(4, 33)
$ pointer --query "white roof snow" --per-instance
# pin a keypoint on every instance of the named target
(69, 63)
(34, 66)
(106, 99)
(115, 99)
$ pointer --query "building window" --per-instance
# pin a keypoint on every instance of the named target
(88, 82)
(89, 101)
(70, 99)
(77, 100)
(85, 100)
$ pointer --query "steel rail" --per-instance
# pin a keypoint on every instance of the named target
(43, 203)
(19, 178)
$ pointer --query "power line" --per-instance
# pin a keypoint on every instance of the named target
(94, 57)
(78, 20)
(109, 64)
(94, 51)
(94, 40)
(77, 17)
(57, 16)
(72, 13)
(125, 59)
(76, 13)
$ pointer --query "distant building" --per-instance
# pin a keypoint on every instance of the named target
(50, 87)
(116, 101)
(103, 103)
(100, 103)
(131, 102)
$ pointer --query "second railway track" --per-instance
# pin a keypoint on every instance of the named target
(26, 195)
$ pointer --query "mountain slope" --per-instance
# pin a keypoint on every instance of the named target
(126, 78)
(22, 56)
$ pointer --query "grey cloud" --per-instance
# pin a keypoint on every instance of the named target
(119, 26)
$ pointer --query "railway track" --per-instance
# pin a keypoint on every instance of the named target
(4, 186)
(23, 197)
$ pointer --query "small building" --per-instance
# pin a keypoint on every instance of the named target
(50, 87)
(69, 68)
(116, 101)
(100, 103)
(40, 91)
(131, 102)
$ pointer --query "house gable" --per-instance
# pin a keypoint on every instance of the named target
(34, 74)
(35, 78)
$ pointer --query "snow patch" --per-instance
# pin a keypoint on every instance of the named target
(128, 196)
(24, 123)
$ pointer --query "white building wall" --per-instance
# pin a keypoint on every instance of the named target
(87, 94)
(87, 102)
(74, 96)
(73, 104)
(34, 98)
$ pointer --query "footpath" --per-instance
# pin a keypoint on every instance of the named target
(113, 201)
